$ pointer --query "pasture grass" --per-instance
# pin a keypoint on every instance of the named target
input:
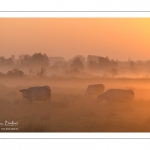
(71, 111)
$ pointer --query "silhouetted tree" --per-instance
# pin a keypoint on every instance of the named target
(24, 60)
(104, 62)
(114, 63)
(83, 59)
(41, 72)
(77, 64)
(92, 65)
(92, 58)
(132, 66)
(39, 60)
(114, 72)
(36, 60)
(6, 62)
(31, 73)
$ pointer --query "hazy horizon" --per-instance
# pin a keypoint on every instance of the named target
(117, 38)
(69, 58)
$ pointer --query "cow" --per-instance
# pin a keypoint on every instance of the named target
(118, 95)
(95, 89)
(37, 93)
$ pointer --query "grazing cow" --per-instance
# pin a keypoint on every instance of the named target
(118, 95)
(95, 89)
(37, 93)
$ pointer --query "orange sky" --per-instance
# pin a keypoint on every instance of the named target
(117, 38)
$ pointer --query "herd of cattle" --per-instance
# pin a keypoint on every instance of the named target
(39, 93)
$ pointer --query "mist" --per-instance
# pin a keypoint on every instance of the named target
(42, 65)
(70, 110)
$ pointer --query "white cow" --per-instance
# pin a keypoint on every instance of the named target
(95, 89)
(119, 95)
(37, 93)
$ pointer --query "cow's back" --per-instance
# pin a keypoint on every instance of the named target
(39, 93)
(95, 89)
(119, 95)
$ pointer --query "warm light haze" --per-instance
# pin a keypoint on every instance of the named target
(75, 75)
(118, 38)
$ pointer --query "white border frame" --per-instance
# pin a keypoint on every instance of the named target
(107, 11)
(73, 135)
(72, 14)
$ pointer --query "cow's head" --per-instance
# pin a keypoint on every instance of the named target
(25, 93)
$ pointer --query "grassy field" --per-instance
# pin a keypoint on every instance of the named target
(71, 111)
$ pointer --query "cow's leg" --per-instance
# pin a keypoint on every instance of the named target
(49, 97)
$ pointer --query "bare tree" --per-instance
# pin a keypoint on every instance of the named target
(114, 72)
(41, 72)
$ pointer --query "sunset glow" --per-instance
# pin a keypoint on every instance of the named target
(117, 38)
(75, 74)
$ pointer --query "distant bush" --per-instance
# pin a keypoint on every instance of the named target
(15, 73)
(37, 73)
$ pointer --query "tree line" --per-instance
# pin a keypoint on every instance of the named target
(40, 65)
